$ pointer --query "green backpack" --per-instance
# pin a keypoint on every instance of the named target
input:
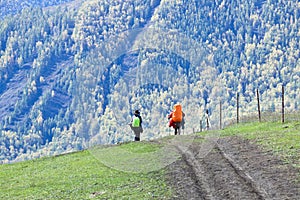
(136, 122)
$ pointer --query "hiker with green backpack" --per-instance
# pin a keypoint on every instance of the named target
(136, 125)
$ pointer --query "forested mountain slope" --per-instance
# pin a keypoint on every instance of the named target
(8, 7)
(72, 75)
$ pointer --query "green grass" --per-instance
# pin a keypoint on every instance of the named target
(80, 176)
(128, 171)
(283, 139)
(141, 147)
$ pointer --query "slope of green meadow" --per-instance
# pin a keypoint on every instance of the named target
(81, 175)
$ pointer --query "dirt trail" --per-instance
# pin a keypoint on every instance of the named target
(234, 169)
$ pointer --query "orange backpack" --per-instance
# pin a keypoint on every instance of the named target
(177, 113)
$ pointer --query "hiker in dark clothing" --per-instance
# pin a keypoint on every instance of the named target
(136, 125)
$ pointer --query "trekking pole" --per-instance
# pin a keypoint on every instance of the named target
(168, 130)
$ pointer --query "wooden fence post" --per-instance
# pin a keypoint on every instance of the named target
(258, 106)
(220, 115)
(237, 108)
(282, 109)
(201, 126)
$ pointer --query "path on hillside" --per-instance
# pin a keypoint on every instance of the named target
(234, 168)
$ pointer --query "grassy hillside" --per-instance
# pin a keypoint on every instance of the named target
(73, 73)
(82, 176)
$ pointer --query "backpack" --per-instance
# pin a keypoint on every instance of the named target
(136, 121)
(177, 113)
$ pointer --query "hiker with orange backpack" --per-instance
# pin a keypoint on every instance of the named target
(176, 118)
(136, 125)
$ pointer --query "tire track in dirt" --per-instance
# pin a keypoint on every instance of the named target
(261, 193)
(221, 175)
(278, 178)
(206, 174)
(204, 190)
